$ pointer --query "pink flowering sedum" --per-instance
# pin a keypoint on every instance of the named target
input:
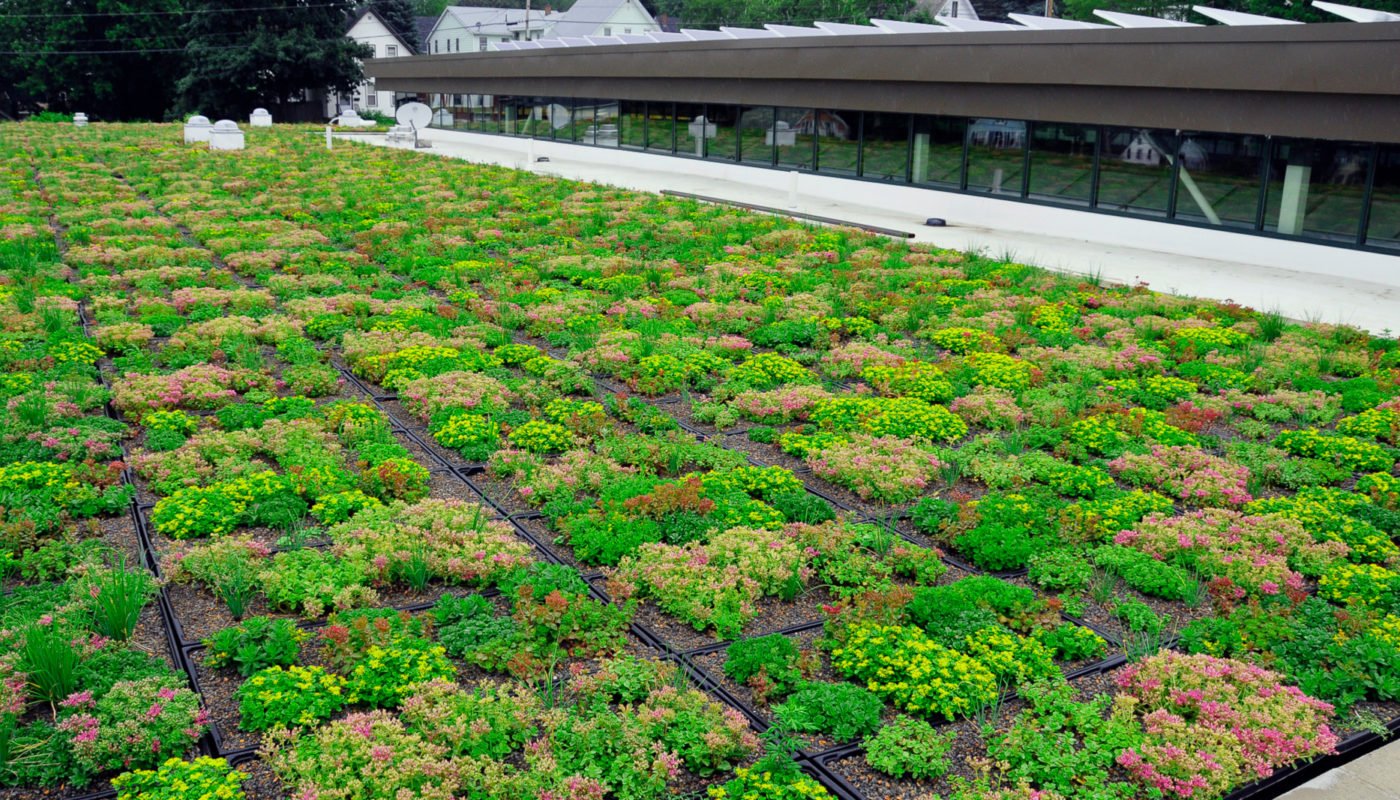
(1253, 552)
(1196, 477)
(883, 468)
(1213, 723)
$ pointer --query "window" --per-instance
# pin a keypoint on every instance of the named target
(607, 31)
(373, 51)
(1218, 178)
(1062, 162)
(886, 148)
(937, 157)
(459, 45)
(391, 51)
(435, 45)
(1384, 227)
(995, 155)
(1317, 188)
(838, 140)
(1135, 170)
(372, 98)
(626, 30)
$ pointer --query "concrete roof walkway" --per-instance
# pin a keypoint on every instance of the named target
(1303, 296)
(1374, 307)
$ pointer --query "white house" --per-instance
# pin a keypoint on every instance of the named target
(472, 29)
(604, 18)
(469, 29)
(369, 29)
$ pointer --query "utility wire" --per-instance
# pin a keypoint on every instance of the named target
(181, 12)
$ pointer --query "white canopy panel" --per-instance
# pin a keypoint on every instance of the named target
(1241, 18)
(1138, 21)
(1054, 23)
(1356, 14)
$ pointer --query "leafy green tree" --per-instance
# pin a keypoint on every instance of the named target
(242, 55)
(713, 13)
(109, 58)
(398, 15)
(1177, 9)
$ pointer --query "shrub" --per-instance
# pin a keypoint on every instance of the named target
(541, 437)
(338, 507)
(1060, 570)
(177, 779)
(313, 380)
(489, 721)
(884, 469)
(909, 747)
(195, 512)
(906, 667)
(137, 724)
(293, 696)
(770, 665)
(365, 756)
(386, 675)
(843, 710)
(314, 582)
(1072, 642)
(1140, 571)
(396, 479)
(1212, 724)
(254, 644)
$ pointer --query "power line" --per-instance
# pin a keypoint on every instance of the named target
(181, 12)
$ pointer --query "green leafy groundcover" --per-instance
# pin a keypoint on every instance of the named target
(1168, 468)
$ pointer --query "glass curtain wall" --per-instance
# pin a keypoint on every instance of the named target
(1331, 192)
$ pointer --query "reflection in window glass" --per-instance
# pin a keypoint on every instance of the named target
(1062, 162)
(694, 131)
(1384, 227)
(722, 130)
(792, 134)
(661, 127)
(1317, 188)
(885, 156)
(756, 135)
(995, 155)
(631, 124)
(838, 140)
(1218, 179)
(937, 158)
(1135, 170)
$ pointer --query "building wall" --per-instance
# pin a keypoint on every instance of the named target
(630, 18)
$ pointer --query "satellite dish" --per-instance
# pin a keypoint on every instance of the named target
(415, 115)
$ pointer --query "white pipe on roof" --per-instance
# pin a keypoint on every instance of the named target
(1138, 21)
(1053, 23)
(1356, 14)
(1238, 18)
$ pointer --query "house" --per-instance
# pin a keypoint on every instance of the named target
(470, 29)
(604, 18)
(369, 29)
(961, 9)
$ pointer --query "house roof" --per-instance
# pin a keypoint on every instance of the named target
(498, 21)
(425, 27)
(368, 12)
(585, 16)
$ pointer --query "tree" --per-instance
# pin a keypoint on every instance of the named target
(398, 15)
(1181, 9)
(242, 54)
(714, 13)
(109, 58)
